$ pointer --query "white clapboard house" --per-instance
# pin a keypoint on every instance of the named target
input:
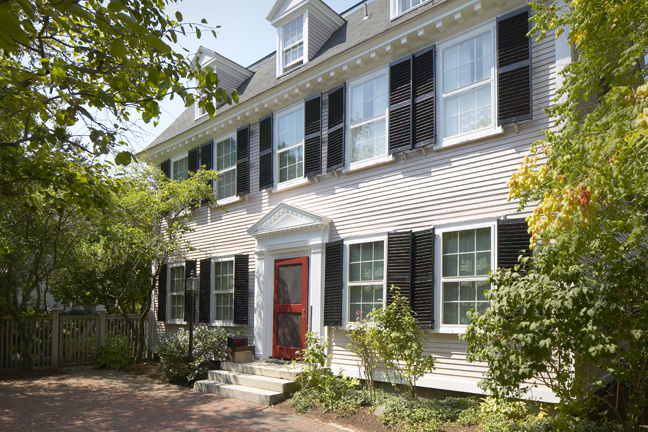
(372, 148)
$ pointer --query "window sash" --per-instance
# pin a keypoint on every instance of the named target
(223, 291)
(468, 100)
(462, 290)
(226, 165)
(176, 292)
(290, 135)
(293, 42)
(368, 106)
(365, 274)
(180, 169)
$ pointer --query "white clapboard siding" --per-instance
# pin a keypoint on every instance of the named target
(461, 182)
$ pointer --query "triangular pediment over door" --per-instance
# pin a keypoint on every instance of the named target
(285, 218)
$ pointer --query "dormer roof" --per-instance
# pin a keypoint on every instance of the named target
(230, 74)
(284, 11)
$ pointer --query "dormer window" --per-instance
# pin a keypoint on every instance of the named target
(293, 43)
(401, 6)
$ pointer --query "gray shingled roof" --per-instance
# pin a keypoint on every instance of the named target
(355, 31)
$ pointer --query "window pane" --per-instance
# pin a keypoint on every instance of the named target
(466, 241)
(466, 264)
(483, 264)
(483, 239)
(367, 252)
(450, 313)
(450, 242)
(450, 291)
(354, 272)
(355, 294)
(378, 270)
(180, 169)
(464, 307)
(467, 291)
(450, 264)
(482, 287)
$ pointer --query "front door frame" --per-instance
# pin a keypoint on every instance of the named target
(286, 352)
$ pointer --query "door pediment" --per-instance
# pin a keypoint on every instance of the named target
(285, 218)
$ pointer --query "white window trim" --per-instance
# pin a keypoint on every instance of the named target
(396, 8)
(298, 181)
(486, 132)
(212, 292)
(282, 68)
(199, 112)
(232, 198)
(376, 160)
(168, 295)
(177, 158)
(438, 292)
(346, 292)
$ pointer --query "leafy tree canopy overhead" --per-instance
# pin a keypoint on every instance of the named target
(73, 74)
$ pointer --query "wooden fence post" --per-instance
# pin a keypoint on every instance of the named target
(102, 328)
(56, 330)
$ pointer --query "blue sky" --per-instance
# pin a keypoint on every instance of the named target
(245, 36)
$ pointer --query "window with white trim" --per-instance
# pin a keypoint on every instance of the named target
(292, 43)
(179, 168)
(290, 144)
(226, 166)
(402, 6)
(365, 278)
(468, 84)
(175, 292)
(223, 291)
(368, 117)
(466, 259)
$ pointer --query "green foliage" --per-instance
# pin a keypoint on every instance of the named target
(429, 415)
(364, 343)
(580, 315)
(320, 388)
(399, 341)
(114, 355)
(210, 343)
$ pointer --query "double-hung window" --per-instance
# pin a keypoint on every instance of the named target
(466, 258)
(179, 168)
(468, 84)
(293, 43)
(368, 117)
(290, 144)
(226, 166)
(402, 6)
(223, 291)
(366, 278)
(176, 292)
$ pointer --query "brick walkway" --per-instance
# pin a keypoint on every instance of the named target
(89, 400)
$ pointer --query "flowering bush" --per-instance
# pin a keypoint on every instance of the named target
(210, 343)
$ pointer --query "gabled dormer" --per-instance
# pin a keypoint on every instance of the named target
(303, 26)
(230, 74)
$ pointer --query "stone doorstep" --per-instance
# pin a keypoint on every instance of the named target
(259, 367)
(254, 381)
(248, 394)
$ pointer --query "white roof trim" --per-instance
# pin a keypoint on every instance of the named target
(285, 218)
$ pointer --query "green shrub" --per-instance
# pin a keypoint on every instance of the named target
(364, 343)
(409, 415)
(399, 341)
(210, 343)
(320, 388)
(114, 355)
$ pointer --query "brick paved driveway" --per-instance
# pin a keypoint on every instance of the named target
(84, 399)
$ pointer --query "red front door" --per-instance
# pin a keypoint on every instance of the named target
(290, 307)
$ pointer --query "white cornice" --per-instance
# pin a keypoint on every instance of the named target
(420, 31)
(285, 218)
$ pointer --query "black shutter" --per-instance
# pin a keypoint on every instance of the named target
(422, 301)
(333, 284)
(313, 136)
(189, 266)
(512, 241)
(241, 286)
(243, 161)
(265, 153)
(204, 310)
(400, 105)
(514, 95)
(399, 263)
(335, 149)
(192, 160)
(423, 117)
(166, 168)
(207, 161)
(162, 293)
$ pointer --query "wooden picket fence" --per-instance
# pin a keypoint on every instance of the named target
(66, 340)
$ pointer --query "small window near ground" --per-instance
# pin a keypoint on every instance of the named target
(368, 117)
(223, 292)
(176, 293)
(290, 144)
(366, 278)
(465, 262)
(226, 166)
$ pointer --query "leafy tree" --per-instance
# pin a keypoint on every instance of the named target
(73, 73)
(578, 319)
(119, 262)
